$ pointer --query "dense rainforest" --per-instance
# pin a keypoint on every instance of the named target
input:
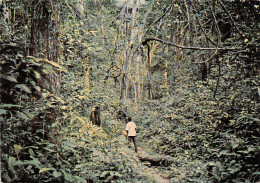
(186, 72)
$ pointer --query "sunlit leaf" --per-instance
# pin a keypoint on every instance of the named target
(94, 33)
(31, 152)
(37, 74)
(45, 169)
(24, 88)
(17, 148)
(22, 115)
(53, 63)
(11, 78)
(45, 94)
(80, 179)
(63, 107)
(37, 88)
(56, 174)
(60, 99)
(67, 176)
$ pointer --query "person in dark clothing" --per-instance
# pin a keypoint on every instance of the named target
(95, 116)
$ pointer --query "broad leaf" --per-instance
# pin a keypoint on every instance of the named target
(24, 88)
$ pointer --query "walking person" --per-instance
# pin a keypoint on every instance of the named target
(131, 132)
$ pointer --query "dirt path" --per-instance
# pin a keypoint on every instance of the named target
(157, 174)
(161, 179)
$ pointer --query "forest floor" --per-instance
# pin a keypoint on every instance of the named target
(146, 163)
(155, 173)
(158, 174)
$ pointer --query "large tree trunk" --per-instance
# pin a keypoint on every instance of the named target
(131, 48)
(4, 21)
(149, 74)
(87, 74)
(45, 37)
(54, 53)
(124, 90)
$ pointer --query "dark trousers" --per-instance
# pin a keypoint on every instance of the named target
(132, 138)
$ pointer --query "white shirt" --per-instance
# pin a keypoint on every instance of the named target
(130, 127)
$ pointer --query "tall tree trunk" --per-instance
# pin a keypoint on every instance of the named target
(4, 21)
(87, 80)
(137, 79)
(131, 49)
(166, 74)
(124, 90)
(149, 74)
(54, 29)
(45, 37)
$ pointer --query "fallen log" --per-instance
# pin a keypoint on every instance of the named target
(156, 160)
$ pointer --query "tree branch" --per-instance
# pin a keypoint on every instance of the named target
(158, 19)
(150, 38)
(203, 30)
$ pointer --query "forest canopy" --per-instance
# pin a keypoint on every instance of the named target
(186, 72)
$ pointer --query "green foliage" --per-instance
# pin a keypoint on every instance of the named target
(25, 106)
(208, 123)
(208, 143)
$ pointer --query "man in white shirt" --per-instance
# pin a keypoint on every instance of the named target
(131, 132)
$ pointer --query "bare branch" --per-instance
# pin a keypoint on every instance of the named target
(158, 19)
(186, 47)
(203, 30)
